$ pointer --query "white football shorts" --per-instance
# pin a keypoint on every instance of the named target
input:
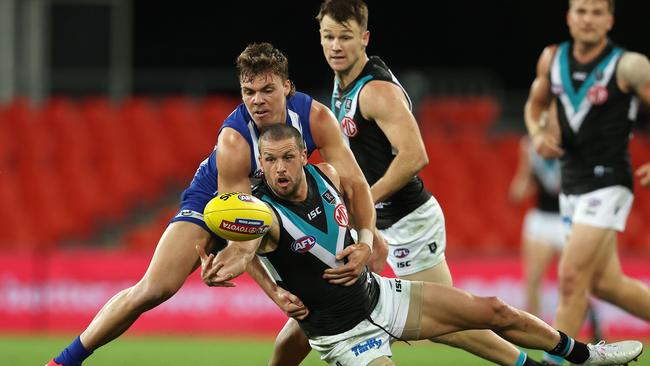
(418, 240)
(543, 226)
(398, 310)
(606, 208)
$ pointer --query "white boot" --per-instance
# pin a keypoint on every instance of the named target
(618, 353)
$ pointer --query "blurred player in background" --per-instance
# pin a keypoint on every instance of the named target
(354, 325)
(543, 232)
(268, 97)
(597, 86)
(374, 112)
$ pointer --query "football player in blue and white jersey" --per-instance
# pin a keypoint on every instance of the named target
(269, 97)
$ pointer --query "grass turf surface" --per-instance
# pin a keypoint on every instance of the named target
(148, 350)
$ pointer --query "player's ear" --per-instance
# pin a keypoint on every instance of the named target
(611, 23)
(365, 38)
(303, 155)
(287, 87)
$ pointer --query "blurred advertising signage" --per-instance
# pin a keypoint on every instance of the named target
(63, 291)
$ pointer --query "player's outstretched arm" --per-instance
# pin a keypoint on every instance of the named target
(522, 183)
(231, 262)
(386, 104)
(239, 257)
(633, 74)
(289, 303)
(643, 173)
(377, 260)
(544, 132)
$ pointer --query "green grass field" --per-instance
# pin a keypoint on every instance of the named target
(145, 351)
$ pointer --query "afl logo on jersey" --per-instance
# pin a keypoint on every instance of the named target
(401, 252)
(341, 215)
(349, 127)
(302, 245)
(597, 94)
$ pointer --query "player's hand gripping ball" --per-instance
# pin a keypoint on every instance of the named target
(237, 216)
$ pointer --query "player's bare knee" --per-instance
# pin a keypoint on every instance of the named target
(146, 295)
(450, 339)
(571, 281)
(503, 315)
(605, 288)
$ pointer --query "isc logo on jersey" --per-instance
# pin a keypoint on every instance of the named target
(302, 245)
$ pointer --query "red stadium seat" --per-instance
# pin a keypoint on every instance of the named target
(474, 113)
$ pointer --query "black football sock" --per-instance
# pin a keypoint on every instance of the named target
(570, 349)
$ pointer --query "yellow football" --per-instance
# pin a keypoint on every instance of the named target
(238, 216)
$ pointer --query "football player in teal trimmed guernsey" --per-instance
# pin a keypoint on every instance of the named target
(597, 87)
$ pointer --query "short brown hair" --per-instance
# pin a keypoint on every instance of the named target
(344, 10)
(261, 58)
(279, 132)
(610, 5)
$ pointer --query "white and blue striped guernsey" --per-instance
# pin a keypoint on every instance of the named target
(204, 184)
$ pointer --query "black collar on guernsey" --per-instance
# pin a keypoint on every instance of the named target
(372, 61)
(575, 65)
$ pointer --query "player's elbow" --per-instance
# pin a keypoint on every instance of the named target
(422, 161)
(356, 183)
(418, 160)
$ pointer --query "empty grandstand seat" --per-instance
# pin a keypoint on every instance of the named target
(146, 236)
(458, 112)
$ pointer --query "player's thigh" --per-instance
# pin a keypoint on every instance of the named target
(537, 256)
(447, 309)
(291, 345)
(175, 256)
(439, 274)
(381, 361)
(609, 272)
(583, 249)
(291, 332)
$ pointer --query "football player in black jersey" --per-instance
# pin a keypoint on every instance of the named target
(374, 112)
(355, 324)
(597, 87)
